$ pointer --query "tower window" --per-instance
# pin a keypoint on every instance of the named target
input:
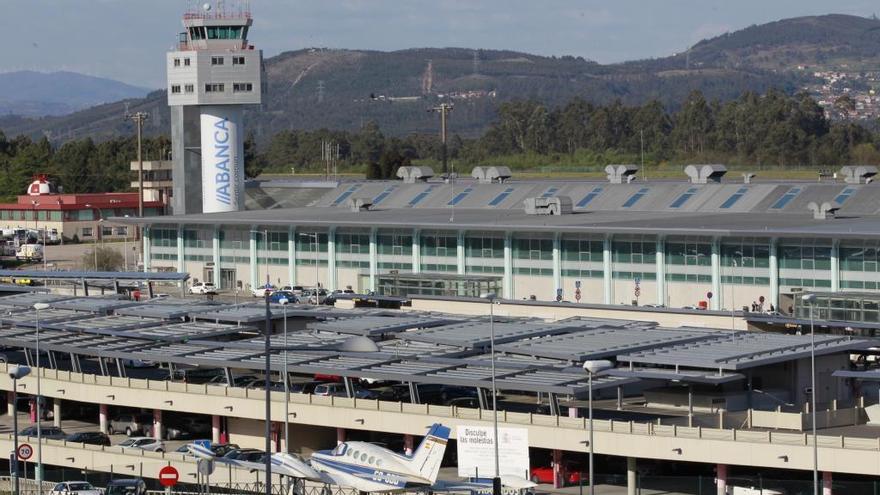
(175, 89)
(177, 62)
(216, 60)
(237, 60)
(189, 88)
(214, 88)
(186, 62)
(242, 87)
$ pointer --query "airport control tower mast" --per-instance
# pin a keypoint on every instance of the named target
(212, 74)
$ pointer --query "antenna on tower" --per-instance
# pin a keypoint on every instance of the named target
(321, 91)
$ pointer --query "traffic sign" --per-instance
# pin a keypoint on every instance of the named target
(168, 476)
(558, 295)
(638, 280)
(25, 451)
(205, 467)
(638, 292)
(577, 284)
(709, 295)
(577, 295)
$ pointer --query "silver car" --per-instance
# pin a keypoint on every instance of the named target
(144, 443)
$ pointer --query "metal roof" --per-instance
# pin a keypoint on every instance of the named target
(379, 325)
(167, 311)
(476, 332)
(28, 318)
(103, 304)
(104, 324)
(869, 375)
(256, 312)
(31, 298)
(682, 376)
(106, 276)
(742, 350)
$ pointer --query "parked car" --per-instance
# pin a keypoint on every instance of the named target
(89, 437)
(571, 474)
(279, 296)
(132, 424)
(50, 432)
(248, 455)
(144, 443)
(262, 290)
(185, 427)
(203, 288)
(469, 402)
(237, 381)
(336, 389)
(75, 487)
(127, 486)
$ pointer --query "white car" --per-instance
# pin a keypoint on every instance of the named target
(203, 288)
(75, 487)
(144, 443)
(262, 290)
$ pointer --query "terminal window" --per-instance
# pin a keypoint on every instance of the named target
(216, 60)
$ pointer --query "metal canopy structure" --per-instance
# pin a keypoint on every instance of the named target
(108, 325)
(680, 376)
(256, 312)
(602, 342)
(28, 318)
(867, 375)
(742, 350)
(104, 305)
(166, 311)
(475, 333)
(31, 298)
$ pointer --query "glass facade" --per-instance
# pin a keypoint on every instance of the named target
(854, 307)
(533, 255)
(804, 263)
(859, 262)
(439, 251)
(745, 261)
(689, 260)
(581, 256)
(160, 237)
(484, 254)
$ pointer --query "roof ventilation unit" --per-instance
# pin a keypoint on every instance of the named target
(360, 204)
(619, 174)
(488, 175)
(821, 212)
(748, 176)
(411, 175)
(858, 174)
(702, 174)
(554, 205)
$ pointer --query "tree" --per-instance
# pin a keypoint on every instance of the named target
(108, 259)
(254, 163)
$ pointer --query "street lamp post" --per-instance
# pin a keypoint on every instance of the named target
(593, 368)
(284, 303)
(496, 480)
(16, 374)
(267, 383)
(317, 271)
(810, 300)
(39, 475)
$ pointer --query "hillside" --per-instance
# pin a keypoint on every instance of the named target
(342, 89)
(36, 94)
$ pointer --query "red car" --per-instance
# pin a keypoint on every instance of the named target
(571, 474)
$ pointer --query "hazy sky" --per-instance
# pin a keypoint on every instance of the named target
(126, 39)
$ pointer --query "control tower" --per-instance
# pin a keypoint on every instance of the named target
(212, 74)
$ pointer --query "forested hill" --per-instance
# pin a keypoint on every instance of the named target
(315, 88)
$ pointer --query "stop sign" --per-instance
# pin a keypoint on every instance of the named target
(168, 476)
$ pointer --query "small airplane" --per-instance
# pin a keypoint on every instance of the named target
(370, 468)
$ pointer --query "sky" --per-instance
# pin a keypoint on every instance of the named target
(126, 39)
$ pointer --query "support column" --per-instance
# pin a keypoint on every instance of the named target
(291, 255)
(56, 412)
(10, 404)
(157, 424)
(148, 249)
(215, 428)
(102, 418)
(253, 259)
(558, 474)
(721, 479)
(557, 262)
(416, 251)
(607, 274)
(715, 303)
(215, 255)
(573, 412)
(459, 252)
(508, 265)
(408, 444)
(181, 263)
(835, 265)
(826, 483)
(631, 476)
(340, 435)
(661, 270)
(374, 259)
(774, 275)
(331, 259)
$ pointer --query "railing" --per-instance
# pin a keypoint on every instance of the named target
(26, 485)
(460, 413)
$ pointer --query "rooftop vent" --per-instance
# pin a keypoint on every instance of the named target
(702, 174)
(488, 175)
(360, 204)
(858, 174)
(821, 212)
(554, 205)
(619, 174)
(748, 176)
(411, 175)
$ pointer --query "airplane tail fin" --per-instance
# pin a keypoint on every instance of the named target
(427, 457)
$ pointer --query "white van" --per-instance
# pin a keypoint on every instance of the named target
(29, 252)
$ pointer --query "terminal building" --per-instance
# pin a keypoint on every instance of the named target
(703, 240)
